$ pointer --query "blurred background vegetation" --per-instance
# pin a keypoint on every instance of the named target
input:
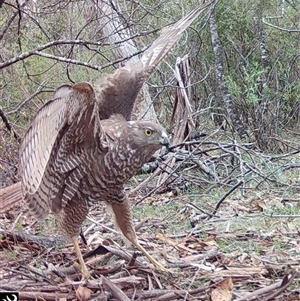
(44, 44)
(243, 191)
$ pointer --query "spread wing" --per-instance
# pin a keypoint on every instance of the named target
(51, 147)
(119, 91)
(51, 152)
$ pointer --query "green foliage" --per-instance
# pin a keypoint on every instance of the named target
(253, 84)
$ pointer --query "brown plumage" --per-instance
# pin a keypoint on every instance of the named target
(82, 147)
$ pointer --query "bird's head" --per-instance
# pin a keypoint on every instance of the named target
(134, 137)
(148, 134)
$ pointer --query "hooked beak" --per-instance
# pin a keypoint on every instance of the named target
(165, 140)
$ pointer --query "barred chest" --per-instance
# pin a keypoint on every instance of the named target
(107, 183)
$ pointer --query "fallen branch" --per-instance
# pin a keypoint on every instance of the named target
(30, 238)
(116, 292)
(280, 285)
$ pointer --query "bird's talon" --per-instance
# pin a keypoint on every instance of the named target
(85, 274)
(164, 271)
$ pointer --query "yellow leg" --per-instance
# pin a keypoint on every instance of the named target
(156, 264)
(84, 271)
(123, 216)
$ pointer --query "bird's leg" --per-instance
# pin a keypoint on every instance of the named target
(70, 221)
(84, 271)
(156, 264)
(123, 218)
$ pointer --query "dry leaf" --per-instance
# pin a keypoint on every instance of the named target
(83, 293)
(174, 243)
(236, 206)
(223, 292)
(258, 205)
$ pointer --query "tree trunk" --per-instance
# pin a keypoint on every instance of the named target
(113, 30)
(226, 95)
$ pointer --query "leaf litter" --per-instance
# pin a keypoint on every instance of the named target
(213, 259)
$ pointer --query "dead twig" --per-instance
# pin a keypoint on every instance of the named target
(30, 238)
(280, 285)
(226, 195)
(116, 292)
(8, 126)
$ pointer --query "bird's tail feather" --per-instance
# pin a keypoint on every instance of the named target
(10, 196)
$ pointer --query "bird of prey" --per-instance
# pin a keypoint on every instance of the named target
(82, 146)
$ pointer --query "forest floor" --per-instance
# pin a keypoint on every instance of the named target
(248, 250)
(224, 222)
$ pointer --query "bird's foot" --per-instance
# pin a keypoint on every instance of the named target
(85, 274)
(162, 270)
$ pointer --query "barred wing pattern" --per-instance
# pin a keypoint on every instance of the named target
(159, 49)
(47, 151)
(75, 150)
(119, 90)
(117, 95)
(38, 141)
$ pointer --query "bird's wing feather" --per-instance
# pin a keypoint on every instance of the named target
(155, 54)
(52, 149)
(120, 89)
(38, 141)
(53, 135)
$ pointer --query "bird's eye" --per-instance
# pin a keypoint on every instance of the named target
(148, 132)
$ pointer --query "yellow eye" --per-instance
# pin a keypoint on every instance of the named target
(148, 132)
